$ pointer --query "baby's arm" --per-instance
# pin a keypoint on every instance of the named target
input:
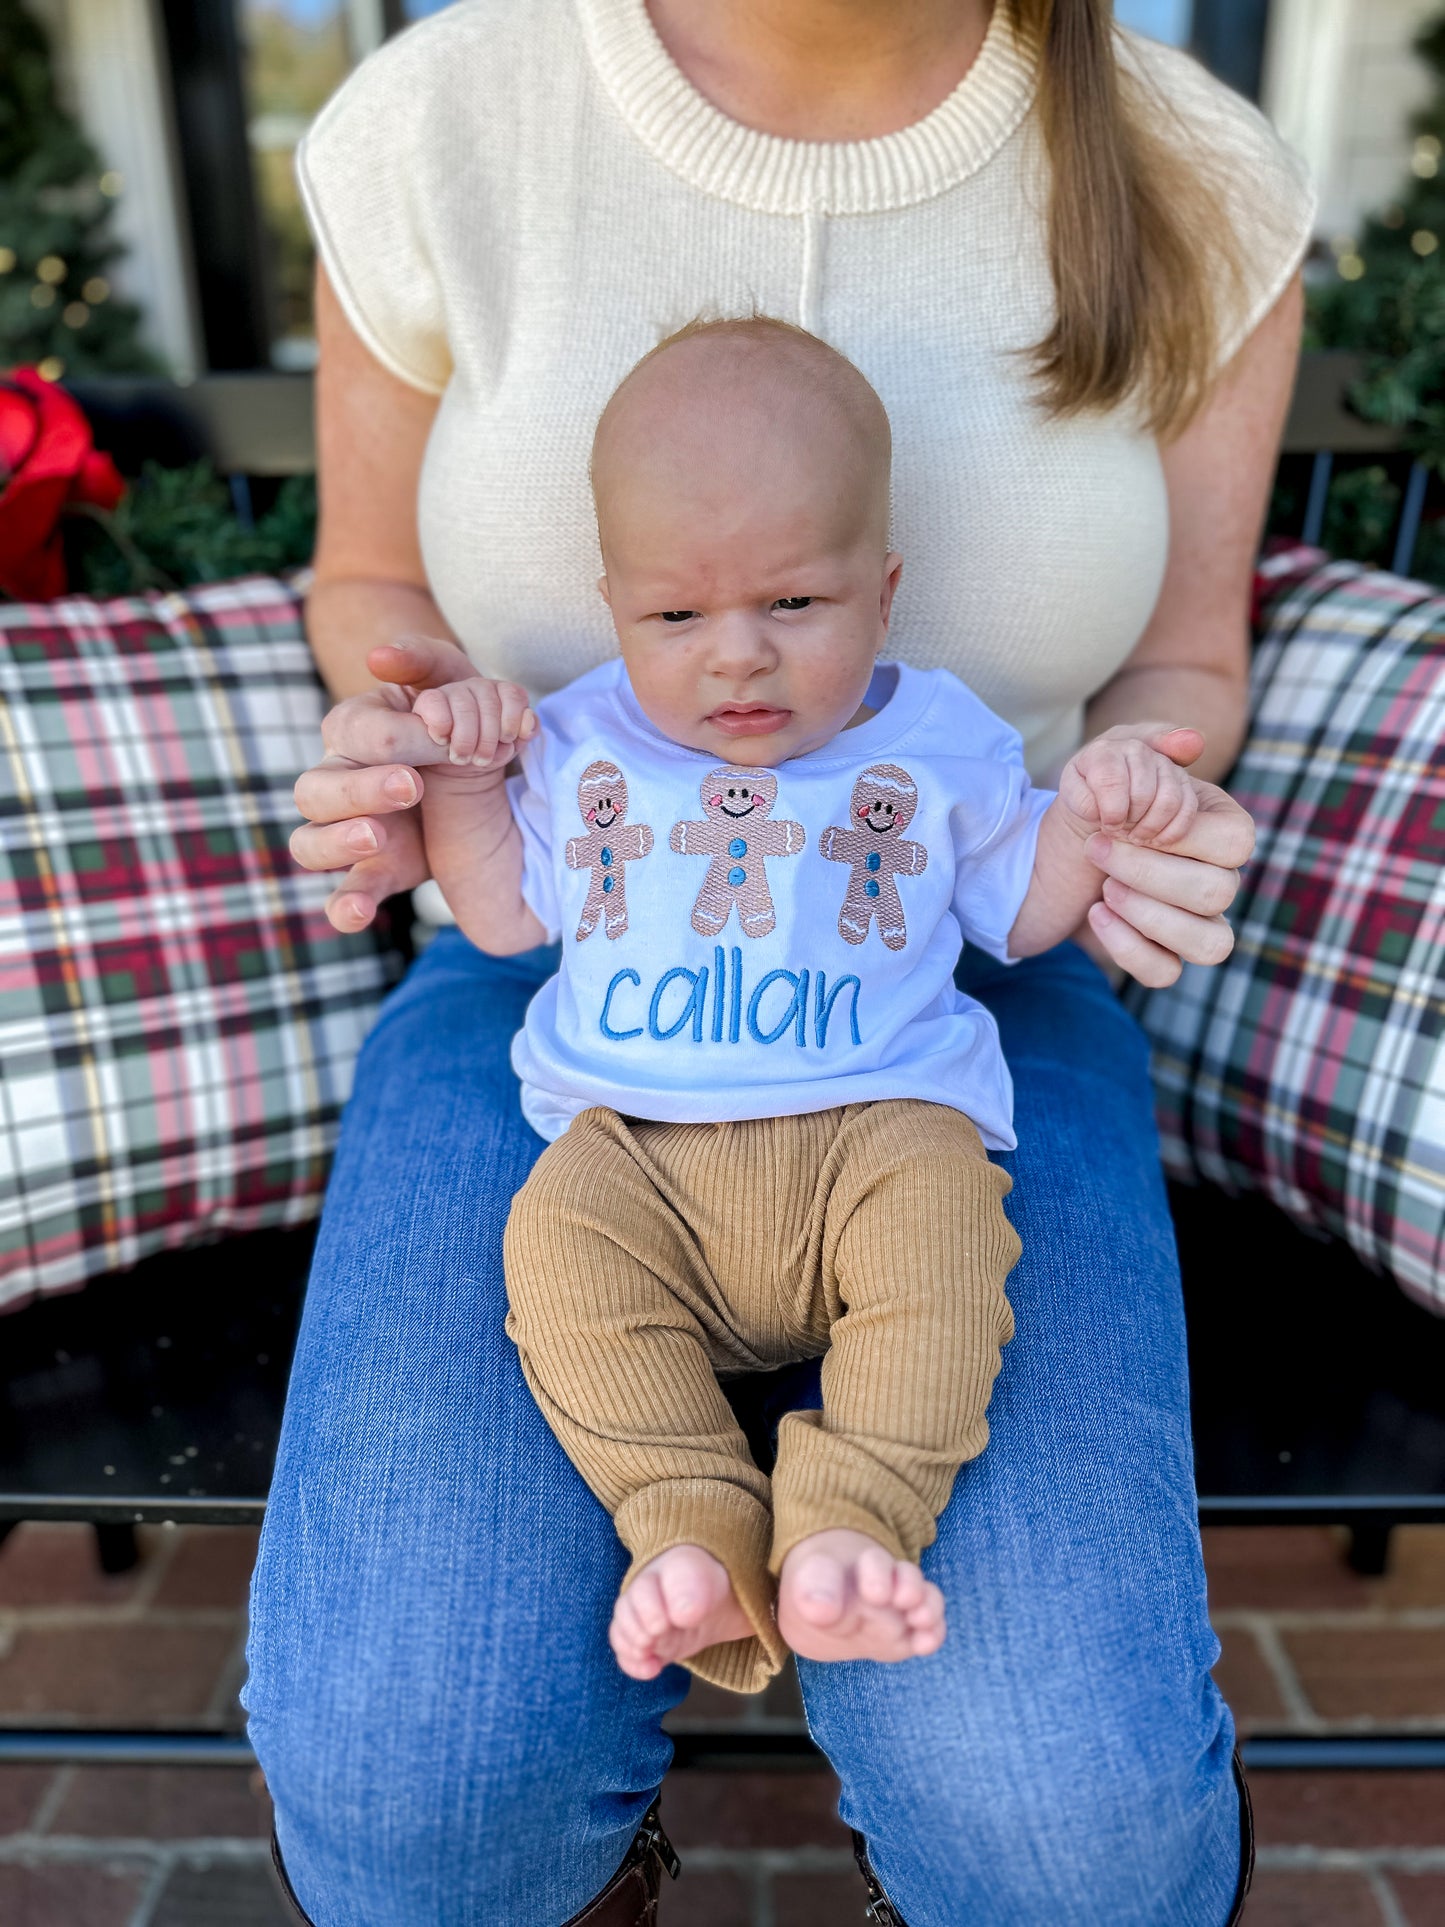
(472, 841)
(1123, 787)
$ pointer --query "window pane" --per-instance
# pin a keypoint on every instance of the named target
(295, 53)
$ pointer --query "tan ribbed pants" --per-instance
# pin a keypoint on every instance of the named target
(645, 1259)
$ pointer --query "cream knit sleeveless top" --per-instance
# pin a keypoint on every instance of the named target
(515, 198)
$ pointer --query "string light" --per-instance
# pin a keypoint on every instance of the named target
(51, 269)
(51, 369)
(96, 290)
(76, 314)
(41, 296)
(1424, 242)
(1425, 160)
(111, 183)
(8, 258)
(1351, 267)
(1393, 216)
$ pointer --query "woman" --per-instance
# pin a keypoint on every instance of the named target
(1069, 265)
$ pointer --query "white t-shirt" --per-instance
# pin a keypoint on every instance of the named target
(741, 942)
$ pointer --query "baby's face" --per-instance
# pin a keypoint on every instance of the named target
(751, 606)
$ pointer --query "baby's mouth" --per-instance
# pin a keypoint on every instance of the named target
(752, 719)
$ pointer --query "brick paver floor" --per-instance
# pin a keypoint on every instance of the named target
(1308, 1646)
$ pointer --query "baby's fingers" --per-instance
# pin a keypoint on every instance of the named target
(1174, 808)
(517, 724)
(433, 707)
(1105, 769)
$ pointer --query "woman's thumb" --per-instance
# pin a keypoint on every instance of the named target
(1182, 745)
(421, 662)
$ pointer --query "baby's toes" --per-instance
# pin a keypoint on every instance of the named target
(929, 1609)
(874, 1577)
(648, 1607)
(926, 1639)
(818, 1588)
(909, 1586)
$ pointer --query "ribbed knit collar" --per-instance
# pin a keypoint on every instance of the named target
(775, 176)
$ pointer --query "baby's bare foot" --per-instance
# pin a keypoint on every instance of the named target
(842, 1596)
(680, 1602)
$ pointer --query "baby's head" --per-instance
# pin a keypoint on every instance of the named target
(741, 479)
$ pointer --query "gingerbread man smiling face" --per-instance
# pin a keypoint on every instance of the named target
(884, 802)
(611, 843)
(738, 835)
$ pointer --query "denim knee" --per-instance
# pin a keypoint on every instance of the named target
(1114, 1825)
(384, 1825)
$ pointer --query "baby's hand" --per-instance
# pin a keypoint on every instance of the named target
(1129, 789)
(478, 722)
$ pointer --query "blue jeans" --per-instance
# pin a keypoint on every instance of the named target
(442, 1726)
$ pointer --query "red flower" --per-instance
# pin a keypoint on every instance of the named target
(47, 460)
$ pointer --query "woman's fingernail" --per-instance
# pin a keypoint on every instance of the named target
(400, 787)
(361, 836)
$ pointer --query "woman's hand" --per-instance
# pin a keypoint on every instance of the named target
(360, 798)
(1164, 907)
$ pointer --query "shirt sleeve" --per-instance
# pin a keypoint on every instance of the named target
(360, 170)
(1264, 186)
(532, 813)
(995, 874)
(994, 821)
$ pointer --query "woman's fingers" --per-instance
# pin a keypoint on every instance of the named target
(1149, 963)
(400, 866)
(366, 729)
(336, 846)
(1195, 939)
(420, 662)
(335, 789)
(1222, 831)
(1203, 889)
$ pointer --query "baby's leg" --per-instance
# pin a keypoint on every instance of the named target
(605, 1285)
(915, 1253)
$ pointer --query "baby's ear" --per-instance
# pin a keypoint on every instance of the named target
(892, 570)
(604, 591)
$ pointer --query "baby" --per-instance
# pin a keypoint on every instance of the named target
(769, 1108)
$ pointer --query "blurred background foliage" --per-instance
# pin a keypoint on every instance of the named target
(1385, 298)
(57, 310)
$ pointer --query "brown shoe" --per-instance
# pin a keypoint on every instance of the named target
(628, 1900)
(880, 1911)
(630, 1897)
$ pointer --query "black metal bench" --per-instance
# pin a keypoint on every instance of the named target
(1319, 1390)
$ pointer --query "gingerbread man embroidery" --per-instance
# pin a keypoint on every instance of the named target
(611, 843)
(739, 837)
(885, 800)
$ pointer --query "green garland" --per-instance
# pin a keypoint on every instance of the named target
(179, 526)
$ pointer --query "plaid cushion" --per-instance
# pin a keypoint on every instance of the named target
(178, 1020)
(1310, 1066)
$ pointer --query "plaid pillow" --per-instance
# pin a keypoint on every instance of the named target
(178, 1020)
(1309, 1066)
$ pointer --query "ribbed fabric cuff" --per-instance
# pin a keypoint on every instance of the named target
(736, 1529)
(825, 1479)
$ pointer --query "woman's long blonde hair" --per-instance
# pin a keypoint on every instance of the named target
(1141, 249)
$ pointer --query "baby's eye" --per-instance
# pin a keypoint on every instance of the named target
(792, 602)
(678, 615)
